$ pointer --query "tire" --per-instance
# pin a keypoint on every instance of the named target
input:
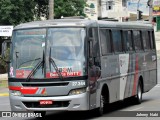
(99, 111)
(138, 97)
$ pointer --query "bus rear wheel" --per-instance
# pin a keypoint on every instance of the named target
(138, 97)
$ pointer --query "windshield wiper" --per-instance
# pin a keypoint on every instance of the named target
(16, 58)
(38, 65)
(54, 65)
(29, 61)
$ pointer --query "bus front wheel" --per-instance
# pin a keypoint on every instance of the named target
(100, 110)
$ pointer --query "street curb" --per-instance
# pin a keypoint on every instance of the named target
(4, 94)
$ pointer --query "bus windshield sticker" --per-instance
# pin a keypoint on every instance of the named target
(32, 32)
(11, 71)
(22, 73)
(64, 74)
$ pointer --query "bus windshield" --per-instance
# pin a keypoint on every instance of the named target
(64, 46)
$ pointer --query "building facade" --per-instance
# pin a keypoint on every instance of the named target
(113, 9)
(121, 10)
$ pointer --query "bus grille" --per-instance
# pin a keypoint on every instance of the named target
(56, 104)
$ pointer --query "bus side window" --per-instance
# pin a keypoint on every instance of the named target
(105, 41)
(90, 43)
(137, 40)
(127, 40)
(145, 39)
(152, 42)
(117, 42)
(94, 45)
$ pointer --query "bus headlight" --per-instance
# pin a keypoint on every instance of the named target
(77, 91)
(15, 93)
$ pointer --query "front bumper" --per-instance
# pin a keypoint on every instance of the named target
(75, 103)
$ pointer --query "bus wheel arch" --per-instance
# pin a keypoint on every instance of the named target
(105, 93)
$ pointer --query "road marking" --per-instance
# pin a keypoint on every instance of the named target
(4, 94)
(135, 109)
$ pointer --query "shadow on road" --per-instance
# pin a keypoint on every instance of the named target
(85, 115)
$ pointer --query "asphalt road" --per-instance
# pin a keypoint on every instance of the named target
(125, 109)
(151, 102)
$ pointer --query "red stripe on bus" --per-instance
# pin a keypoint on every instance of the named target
(43, 91)
(24, 90)
(135, 77)
(14, 88)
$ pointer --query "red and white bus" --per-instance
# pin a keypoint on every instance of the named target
(78, 64)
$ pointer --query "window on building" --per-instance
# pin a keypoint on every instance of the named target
(109, 5)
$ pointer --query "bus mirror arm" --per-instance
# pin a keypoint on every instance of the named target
(98, 71)
(90, 61)
(91, 39)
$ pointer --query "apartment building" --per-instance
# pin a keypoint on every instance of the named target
(121, 10)
(113, 9)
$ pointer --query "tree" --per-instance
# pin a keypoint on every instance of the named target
(61, 8)
(69, 8)
(41, 9)
(92, 5)
(3, 64)
(13, 12)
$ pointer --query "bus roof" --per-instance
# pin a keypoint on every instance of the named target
(130, 25)
(55, 22)
(82, 23)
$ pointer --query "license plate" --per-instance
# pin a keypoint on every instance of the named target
(46, 102)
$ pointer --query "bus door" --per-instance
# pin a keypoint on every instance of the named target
(123, 63)
(94, 65)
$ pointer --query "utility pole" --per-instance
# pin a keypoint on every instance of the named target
(51, 9)
(138, 9)
(150, 4)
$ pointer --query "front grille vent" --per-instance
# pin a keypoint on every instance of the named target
(56, 104)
